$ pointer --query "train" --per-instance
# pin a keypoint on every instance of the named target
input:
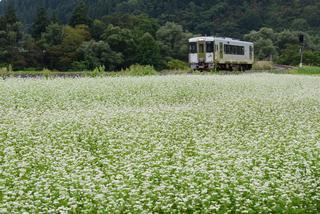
(208, 52)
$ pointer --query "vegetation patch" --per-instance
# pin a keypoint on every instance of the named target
(161, 144)
(139, 70)
(309, 70)
(176, 64)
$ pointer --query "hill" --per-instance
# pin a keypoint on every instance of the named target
(219, 17)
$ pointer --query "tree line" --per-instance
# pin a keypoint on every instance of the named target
(121, 39)
(84, 44)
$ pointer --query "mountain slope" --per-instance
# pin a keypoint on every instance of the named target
(226, 17)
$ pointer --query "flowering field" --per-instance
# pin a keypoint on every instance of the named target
(188, 144)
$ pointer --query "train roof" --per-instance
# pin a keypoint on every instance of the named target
(211, 39)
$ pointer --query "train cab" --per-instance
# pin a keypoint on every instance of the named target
(201, 53)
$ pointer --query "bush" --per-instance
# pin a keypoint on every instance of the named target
(5, 72)
(79, 66)
(176, 64)
(98, 71)
(46, 73)
(140, 70)
(263, 65)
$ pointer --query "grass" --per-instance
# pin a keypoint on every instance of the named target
(138, 70)
(163, 144)
(306, 70)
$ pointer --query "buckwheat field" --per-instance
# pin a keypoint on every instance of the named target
(163, 144)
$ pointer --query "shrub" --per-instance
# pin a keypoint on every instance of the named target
(140, 70)
(176, 64)
(79, 66)
(46, 73)
(5, 72)
(98, 71)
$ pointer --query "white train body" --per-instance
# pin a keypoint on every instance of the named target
(221, 53)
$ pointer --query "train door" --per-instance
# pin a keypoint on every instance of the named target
(201, 51)
(221, 50)
(209, 52)
(193, 58)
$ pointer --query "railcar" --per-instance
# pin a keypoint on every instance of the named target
(207, 53)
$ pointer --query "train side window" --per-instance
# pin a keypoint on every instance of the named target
(209, 47)
(251, 52)
(234, 49)
(227, 49)
(193, 47)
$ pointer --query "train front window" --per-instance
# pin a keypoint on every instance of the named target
(193, 47)
(209, 47)
(201, 48)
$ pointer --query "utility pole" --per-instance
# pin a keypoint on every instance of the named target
(301, 40)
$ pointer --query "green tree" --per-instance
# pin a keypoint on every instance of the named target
(265, 49)
(97, 29)
(40, 23)
(263, 33)
(122, 40)
(11, 38)
(64, 54)
(80, 15)
(300, 24)
(10, 15)
(138, 24)
(148, 51)
(52, 36)
(93, 54)
(290, 55)
(33, 54)
(264, 41)
(173, 41)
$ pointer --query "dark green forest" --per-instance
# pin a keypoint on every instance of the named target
(81, 35)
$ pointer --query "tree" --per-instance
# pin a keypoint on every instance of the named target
(10, 15)
(290, 55)
(264, 41)
(97, 29)
(80, 15)
(300, 24)
(265, 49)
(33, 54)
(173, 40)
(11, 37)
(251, 20)
(138, 24)
(52, 36)
(40, 23)
(122, 40)
(263, 33)
(148, 51)
(64, 54)
(93, 54)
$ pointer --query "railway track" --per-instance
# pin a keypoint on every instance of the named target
(284, 67)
